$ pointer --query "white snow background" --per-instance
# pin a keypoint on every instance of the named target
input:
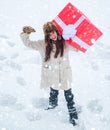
(22, 102)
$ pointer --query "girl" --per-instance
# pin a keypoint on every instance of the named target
(56, 71)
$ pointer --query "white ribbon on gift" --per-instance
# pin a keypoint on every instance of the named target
(69, 31)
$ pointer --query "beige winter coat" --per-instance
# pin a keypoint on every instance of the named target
(56, 72)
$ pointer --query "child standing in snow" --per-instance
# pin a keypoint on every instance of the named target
(56, 71)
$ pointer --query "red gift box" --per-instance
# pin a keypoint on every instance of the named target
(84, 33)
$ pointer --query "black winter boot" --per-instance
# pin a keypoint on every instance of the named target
(53, 99)
(70, 104)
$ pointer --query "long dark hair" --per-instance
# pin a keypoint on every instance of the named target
(48, 28)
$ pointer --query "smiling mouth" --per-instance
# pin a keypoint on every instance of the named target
(54, 39)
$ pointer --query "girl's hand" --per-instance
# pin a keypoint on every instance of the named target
(28, 29)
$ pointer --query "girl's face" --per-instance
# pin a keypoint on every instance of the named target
(53, 36)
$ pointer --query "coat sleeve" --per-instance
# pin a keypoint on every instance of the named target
(36, 45)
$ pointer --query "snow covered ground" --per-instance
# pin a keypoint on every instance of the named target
(22, 102)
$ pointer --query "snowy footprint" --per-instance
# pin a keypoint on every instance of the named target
(7, 100)
(107, 77)
(95, 106)
(11, 44)
(15, 55)
(14, 65)
(2, 57)
(40, 103)
(3, 37)
(10, 101)
(33, 116)
(94, 66)
(21, 81)
(18, 107)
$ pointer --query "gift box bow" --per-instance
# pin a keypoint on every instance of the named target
(69, 21)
